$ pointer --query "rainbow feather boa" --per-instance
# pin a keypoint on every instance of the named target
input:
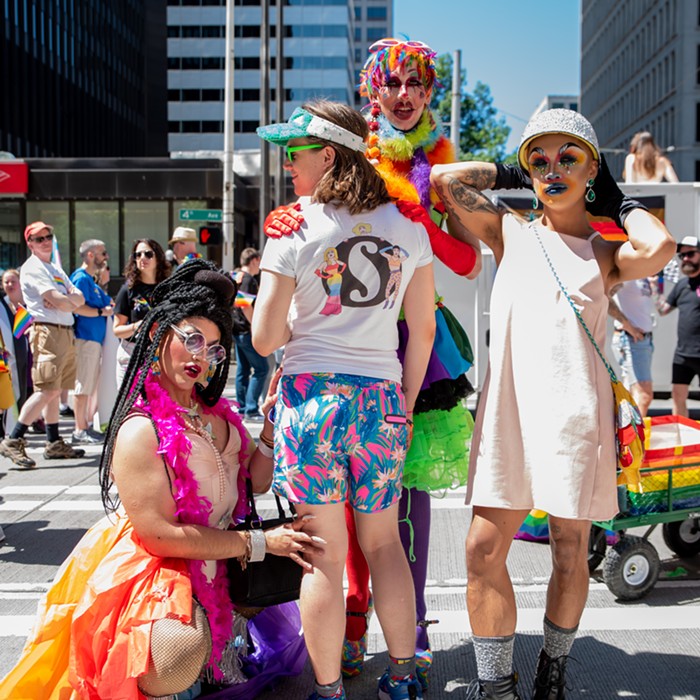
(194, 509)
(404, 158)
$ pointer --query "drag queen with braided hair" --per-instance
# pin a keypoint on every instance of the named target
(141, 606)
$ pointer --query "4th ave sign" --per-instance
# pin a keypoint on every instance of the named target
(200, 215)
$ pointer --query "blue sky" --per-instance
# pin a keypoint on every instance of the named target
(522, 49)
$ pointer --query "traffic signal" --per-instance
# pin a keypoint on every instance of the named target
(210, 235)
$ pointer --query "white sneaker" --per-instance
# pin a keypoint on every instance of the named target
(83, 437)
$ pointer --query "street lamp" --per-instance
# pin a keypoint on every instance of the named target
(227, 213)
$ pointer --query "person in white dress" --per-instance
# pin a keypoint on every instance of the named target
(544, 435)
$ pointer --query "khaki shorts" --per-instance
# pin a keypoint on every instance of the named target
(88, 354)
(53, 350)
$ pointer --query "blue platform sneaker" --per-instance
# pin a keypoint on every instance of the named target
(407, 689)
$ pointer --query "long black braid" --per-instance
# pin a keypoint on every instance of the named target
(196, 289)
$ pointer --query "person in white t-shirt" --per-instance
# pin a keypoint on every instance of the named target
(632, 306)
(343, 415)
(50, 298)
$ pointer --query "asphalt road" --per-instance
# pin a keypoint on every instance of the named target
(648, 649)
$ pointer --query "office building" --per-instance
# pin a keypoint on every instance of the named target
(324, 45)
(640, 62)
(373, 21)
(557, 102)
(85, 78)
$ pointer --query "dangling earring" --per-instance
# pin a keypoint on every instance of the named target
(590, 194)
(535, 203)
(155, 366)
(372, 152)
(210, 372)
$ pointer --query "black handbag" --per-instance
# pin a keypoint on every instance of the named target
(275, 579)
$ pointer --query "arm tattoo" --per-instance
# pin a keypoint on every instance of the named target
(482, 178)
(469, 198)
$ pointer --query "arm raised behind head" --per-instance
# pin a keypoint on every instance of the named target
(459, 186)
(649, 247)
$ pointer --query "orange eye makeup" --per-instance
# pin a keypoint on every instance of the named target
(569, 156)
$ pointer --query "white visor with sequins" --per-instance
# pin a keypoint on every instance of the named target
(303, 124)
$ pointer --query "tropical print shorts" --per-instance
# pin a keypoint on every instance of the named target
(340, 437)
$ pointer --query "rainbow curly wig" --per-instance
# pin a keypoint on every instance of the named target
(389, 54)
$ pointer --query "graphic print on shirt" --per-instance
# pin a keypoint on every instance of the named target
(331, 272)
(141, 307)
(58, 281)
(361, 271)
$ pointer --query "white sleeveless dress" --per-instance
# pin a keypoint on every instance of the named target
(544, 433)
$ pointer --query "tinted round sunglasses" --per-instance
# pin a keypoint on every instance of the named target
(195, 343)
(148, 253)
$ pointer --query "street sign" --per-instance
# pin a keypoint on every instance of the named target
(200, 214)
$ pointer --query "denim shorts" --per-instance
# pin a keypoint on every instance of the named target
(634, 357)
(340, 437)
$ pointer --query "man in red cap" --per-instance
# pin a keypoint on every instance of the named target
(50, 298)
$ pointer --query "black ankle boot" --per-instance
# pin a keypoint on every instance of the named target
(505, 689)
(550, 678)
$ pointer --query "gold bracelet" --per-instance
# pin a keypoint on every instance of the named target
(269, 442)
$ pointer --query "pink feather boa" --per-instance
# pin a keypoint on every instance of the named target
(194, 509)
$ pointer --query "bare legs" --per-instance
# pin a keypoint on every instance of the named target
(322, 606)
(568, 587)
(643, 393)
(490, 596)
(392, 586)
(679, 399)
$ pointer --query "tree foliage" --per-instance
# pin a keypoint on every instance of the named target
(483, 132)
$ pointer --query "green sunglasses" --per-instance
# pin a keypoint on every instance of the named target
(291, 150)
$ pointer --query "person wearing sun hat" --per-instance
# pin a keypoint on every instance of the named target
(544, 434)
(184, 244)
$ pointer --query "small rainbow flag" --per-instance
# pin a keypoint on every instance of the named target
(4, 360)
(244, 299)
(23, 319)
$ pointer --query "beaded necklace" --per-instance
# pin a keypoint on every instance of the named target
(196, 425)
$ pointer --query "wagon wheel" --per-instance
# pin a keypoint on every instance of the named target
(596, 548)
(631, 568)
(683, 536)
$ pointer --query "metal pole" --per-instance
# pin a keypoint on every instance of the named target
(279, 88)
(227, 214)
(264, 118)
(456, 120)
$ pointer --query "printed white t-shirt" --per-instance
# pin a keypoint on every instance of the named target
(36, 278)
(351, 275)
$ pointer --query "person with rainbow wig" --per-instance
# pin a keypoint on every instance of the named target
(405, 141)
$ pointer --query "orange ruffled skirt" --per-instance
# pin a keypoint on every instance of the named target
(91, 638)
